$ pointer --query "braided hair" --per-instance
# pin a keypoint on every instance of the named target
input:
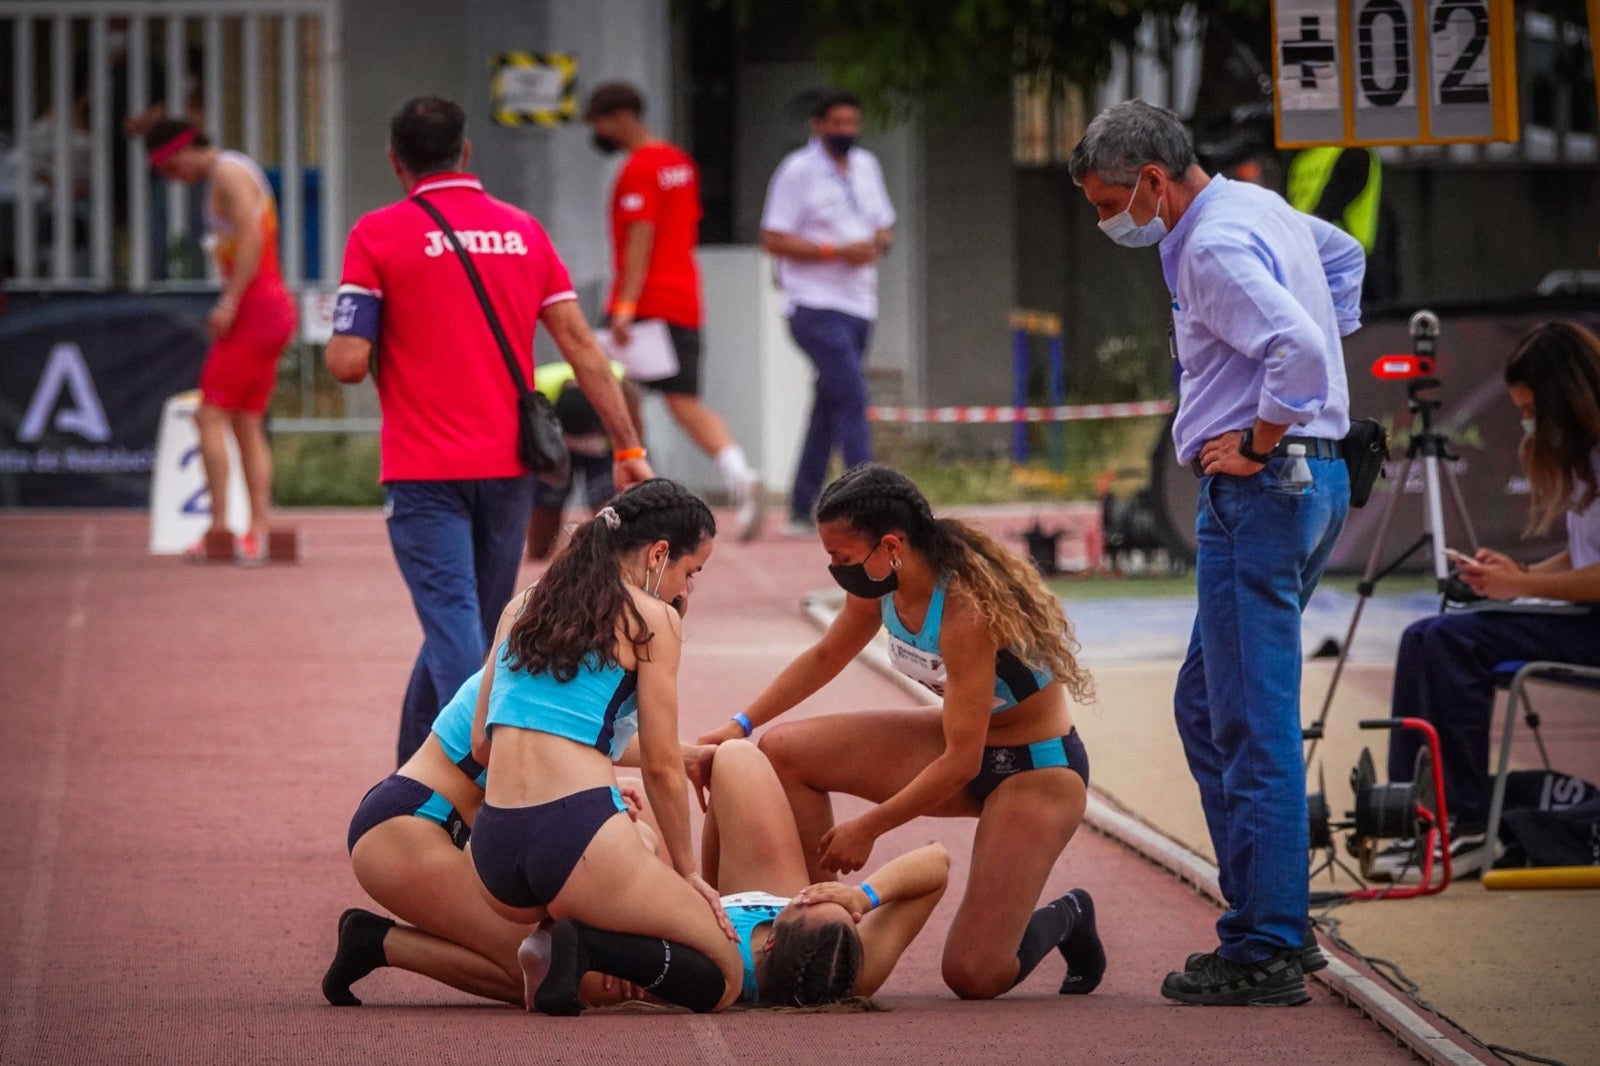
(573, 612)
(811, 964)
(1020, 612)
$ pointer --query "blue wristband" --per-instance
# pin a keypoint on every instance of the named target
(744, 723)
(872, 897)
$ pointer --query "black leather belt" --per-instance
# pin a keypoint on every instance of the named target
(1316, 448)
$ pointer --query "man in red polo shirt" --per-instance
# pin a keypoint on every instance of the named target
(456, 495)
(655, 226)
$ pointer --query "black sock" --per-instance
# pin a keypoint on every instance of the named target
(666, 969)
(360, 952)
(1086, 957)
(1047, 928)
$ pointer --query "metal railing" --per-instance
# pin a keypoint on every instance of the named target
(62, 104)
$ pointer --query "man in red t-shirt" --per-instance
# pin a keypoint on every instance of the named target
(655, 226)
(456, 495)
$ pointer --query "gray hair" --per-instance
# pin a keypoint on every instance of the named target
(1130, 135)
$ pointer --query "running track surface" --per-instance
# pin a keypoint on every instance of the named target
(180, 751)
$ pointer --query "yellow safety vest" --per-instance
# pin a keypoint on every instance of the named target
(1308, 177)
(550, 378)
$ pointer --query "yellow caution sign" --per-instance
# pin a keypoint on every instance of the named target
(533, 88)
(1361, 72)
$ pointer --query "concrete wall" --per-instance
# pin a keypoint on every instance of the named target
(969, 223)
(393, 50)
(752, 374)
(555, 173)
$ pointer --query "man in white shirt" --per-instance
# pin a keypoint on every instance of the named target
(827, 221)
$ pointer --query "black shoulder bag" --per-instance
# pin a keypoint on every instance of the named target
(1365, 449)
(540, 443)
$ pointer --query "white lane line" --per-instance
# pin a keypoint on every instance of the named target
(34, 913)
(712, 1044)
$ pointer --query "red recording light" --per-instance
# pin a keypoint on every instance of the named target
(1402, 367)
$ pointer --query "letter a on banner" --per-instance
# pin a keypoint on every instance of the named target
(66, 370)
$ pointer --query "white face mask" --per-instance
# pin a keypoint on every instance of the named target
(1125, 231)
(1528, 426)
(656, 592)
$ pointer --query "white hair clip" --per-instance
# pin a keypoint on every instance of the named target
(609, 516)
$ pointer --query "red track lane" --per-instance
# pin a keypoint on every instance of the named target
(180, 751)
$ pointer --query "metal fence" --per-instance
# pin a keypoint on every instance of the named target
(84, 211)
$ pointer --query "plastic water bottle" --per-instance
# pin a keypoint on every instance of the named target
(1297, 474)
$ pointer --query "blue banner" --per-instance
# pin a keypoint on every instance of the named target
(83, 377)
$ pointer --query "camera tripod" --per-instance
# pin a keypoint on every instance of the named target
(1430, 446)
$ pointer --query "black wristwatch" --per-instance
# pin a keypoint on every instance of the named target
(1245, 447)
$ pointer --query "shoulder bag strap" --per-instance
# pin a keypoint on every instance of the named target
(483, 295)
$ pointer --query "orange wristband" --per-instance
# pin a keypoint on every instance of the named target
(826, 251)
(624, 307)
(622, 455)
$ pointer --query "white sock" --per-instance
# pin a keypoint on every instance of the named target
(735, 470)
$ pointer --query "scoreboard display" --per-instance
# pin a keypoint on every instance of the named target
(1359, 72)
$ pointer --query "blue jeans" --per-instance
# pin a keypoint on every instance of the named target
(836, 344)
(1444, 674)
(458, 544)
(1262, 548)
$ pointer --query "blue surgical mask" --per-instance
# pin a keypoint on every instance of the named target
(1125, 231)
(1528, 426)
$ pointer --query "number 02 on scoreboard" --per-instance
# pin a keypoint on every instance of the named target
(1394, 71)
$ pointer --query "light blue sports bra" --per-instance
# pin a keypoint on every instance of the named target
(746, 910)
(917, 655)
(599, 707)
(453, 727)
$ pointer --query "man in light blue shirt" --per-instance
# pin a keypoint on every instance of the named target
(1261, 295)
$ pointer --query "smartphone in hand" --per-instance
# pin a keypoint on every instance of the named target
(1460, 557)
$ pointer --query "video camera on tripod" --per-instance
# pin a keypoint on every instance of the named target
(1416, 809)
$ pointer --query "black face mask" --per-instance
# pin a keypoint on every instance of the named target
(853, 578)
(605, 145)
(839, 144)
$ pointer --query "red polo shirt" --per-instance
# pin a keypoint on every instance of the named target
(449, 405)
(660, 183)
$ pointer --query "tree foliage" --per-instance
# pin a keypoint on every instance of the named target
(905, 55)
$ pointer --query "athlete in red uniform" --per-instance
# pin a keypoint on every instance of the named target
(655, 226)
(250, 325)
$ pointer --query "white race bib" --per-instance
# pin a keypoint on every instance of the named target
(925, 668)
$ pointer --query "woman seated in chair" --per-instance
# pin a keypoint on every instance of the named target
(1444, 671)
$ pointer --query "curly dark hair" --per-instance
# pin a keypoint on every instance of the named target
(1020, 611)
(1559, 362)
(811, 964)
(572, 613)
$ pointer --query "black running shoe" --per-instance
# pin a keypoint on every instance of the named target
(1086, 957)
(1220, 982)
(360, 951)
(568, 960)
(1311, 957)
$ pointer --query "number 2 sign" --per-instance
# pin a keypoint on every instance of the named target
(1394, 71)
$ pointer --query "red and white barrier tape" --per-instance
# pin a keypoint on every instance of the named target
(1069, 413)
